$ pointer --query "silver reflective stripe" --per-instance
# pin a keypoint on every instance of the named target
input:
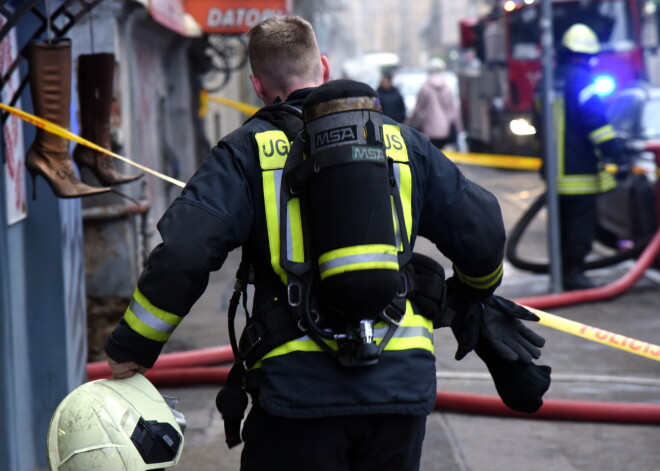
(355, 259)
(401, 332)
(397, 176)
(149, 319)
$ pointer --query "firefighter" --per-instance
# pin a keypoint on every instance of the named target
(586, 142)
(308, 410)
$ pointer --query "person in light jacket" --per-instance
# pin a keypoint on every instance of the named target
(436, 112)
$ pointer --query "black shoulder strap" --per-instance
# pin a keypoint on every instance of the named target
(283, 116)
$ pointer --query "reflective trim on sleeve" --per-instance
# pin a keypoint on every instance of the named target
(359, 257)
(148, 320)
(481, 282)
(602, 134)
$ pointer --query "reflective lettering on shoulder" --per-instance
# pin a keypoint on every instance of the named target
(395, 146)
(368, 153)
(273, 149)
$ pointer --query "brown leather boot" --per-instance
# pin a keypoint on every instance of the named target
(95, 77)
(50, 85)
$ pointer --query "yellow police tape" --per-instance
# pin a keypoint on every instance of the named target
(595, 334)
(237, 105)
(493, 160)
(65, 133)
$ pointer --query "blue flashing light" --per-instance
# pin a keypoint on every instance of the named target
(604, 84)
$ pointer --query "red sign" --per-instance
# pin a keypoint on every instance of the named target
(233, 16)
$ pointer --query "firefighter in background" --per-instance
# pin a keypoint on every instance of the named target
(586, 141)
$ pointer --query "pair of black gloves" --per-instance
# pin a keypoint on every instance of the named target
(488, 324)
(491, 326)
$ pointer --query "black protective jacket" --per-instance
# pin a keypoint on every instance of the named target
(222, 208)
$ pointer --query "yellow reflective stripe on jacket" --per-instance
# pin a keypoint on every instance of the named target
(359, 257)
(148, 320)
(585, 184)
(414, 332)
(395, 149)
(481, 282)
(272, 157)
(602, 134)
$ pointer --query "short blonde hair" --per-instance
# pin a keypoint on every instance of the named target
(283, 51)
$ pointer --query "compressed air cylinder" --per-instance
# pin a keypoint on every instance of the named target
(351, 216)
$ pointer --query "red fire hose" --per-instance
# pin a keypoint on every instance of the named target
(603, 292)
(202, 357)
(587, 411)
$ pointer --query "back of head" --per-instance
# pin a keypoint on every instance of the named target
(580, 39)
(284, 52)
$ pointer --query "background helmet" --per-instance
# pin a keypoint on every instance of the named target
(581, 39)
(114, 425)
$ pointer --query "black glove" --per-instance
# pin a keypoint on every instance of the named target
(494, 318)
(521, 386)
(509, 337)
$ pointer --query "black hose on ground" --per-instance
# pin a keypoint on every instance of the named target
(539, 267)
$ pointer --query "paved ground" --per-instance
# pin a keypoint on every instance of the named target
(582, 371)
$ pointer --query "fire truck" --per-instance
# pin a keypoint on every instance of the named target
(501, 64)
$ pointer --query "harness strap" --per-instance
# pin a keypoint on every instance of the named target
(265, 332)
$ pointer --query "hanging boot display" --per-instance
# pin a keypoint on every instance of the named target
(50, 85)
(95, 79)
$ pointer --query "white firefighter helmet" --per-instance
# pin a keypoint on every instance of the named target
(114, 425)
(581, 39)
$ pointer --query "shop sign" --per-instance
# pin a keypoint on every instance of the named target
(12, 134)
(233, 16)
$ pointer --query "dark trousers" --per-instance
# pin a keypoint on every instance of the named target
(384, 442)
(578, 219)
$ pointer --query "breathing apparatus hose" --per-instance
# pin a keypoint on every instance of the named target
(538, 267)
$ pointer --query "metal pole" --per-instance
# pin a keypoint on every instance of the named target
(550, 148)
